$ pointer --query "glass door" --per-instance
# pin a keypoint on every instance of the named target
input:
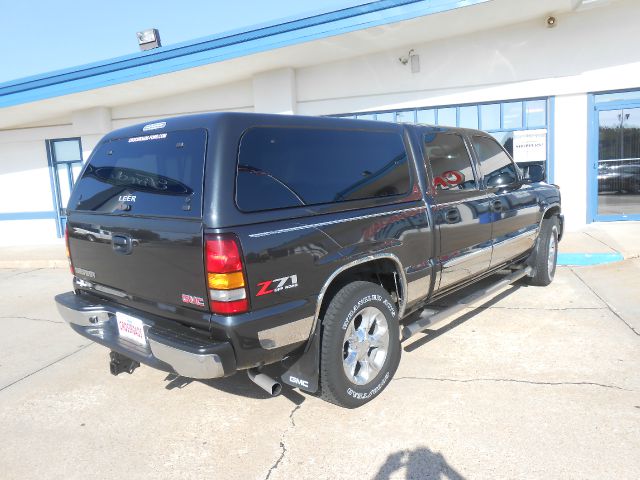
(65, 158)
(618, 167)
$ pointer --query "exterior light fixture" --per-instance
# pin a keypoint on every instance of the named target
(149, 39)
(413, 59)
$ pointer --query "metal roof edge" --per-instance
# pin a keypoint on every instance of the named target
(218, 48)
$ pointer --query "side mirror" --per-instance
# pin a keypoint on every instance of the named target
(535, 173)
(501, 180)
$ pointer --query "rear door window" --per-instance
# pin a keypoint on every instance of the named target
(450, 162)
(280, 167)
(159, 175)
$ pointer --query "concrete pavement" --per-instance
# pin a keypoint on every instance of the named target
(537, 383)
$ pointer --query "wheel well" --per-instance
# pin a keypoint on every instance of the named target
(550, 213)
(383, 272)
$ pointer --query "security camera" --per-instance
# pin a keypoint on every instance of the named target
(551, 22)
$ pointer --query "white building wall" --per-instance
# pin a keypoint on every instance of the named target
(25, 188)
(571, 156)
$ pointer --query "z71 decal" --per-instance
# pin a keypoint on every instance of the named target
(277, 285)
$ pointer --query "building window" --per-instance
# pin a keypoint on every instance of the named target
(65, 162)
(519, 125)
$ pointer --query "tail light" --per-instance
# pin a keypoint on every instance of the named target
(225, 277)
(66, 244)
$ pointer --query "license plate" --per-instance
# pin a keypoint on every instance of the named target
(131, 328)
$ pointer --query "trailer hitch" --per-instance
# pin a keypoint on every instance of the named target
(119, 363)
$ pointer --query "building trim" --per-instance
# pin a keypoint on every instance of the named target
(28, 215)
(219, 48)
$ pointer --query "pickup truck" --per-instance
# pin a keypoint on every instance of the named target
(233, 241)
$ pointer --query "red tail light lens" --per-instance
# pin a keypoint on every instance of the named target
(229, 308)
(223, 255)
(224, 275)
(66, 245)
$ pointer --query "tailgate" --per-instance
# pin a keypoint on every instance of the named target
(135, 221)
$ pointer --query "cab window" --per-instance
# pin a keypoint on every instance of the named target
(450, 162)
(496, 166)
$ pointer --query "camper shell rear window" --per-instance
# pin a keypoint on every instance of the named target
(159, 174)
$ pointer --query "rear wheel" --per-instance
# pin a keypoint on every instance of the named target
(546, 253)
(360, 345)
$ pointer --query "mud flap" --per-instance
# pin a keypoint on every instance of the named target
(304, 373)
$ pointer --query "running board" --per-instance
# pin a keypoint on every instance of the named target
(431, 318)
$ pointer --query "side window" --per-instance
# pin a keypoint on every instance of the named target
(450, 162)
(280, 167)
(496, 166)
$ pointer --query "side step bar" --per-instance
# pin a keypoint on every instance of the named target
(429, 318)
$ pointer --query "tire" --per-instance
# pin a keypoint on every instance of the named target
(546, 256)
(353, 370)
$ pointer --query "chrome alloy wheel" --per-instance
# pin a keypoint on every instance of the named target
(551, 259)
(365, 345)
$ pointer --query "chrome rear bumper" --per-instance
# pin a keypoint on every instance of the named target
(170, 348)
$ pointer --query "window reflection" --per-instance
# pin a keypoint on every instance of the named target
(536, 112)
(447, 117)
(619, 162)
(490, 117)
(406, 116)
(512, 115)
(427, 117)
(386, 117)
(469, 117)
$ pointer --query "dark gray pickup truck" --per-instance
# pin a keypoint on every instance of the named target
(207, 244)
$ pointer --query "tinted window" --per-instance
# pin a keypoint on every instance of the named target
(287, 167)
(163, 171)
(496, 166)
(450, 162)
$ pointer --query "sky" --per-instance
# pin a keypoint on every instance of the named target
(39, 36)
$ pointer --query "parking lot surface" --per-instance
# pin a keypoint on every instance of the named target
(537, 383)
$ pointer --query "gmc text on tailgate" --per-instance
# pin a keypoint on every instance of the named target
(207, 244)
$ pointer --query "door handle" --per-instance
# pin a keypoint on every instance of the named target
(122, 244)
(496, 205)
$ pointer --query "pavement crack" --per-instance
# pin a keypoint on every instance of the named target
(601, 241)
(283, 446)
(23, 273)
(512, 380)
(32, 319)
(611, 309)
(46, 366)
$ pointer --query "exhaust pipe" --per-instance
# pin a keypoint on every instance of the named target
(265, 382)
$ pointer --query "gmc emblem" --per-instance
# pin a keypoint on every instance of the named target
(190, 299)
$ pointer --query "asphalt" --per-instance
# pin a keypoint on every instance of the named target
(536, 383)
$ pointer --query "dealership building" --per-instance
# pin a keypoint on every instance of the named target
(555, 81)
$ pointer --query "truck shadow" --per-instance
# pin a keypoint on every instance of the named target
(238, 384)
(432, 334)
(419, 463)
